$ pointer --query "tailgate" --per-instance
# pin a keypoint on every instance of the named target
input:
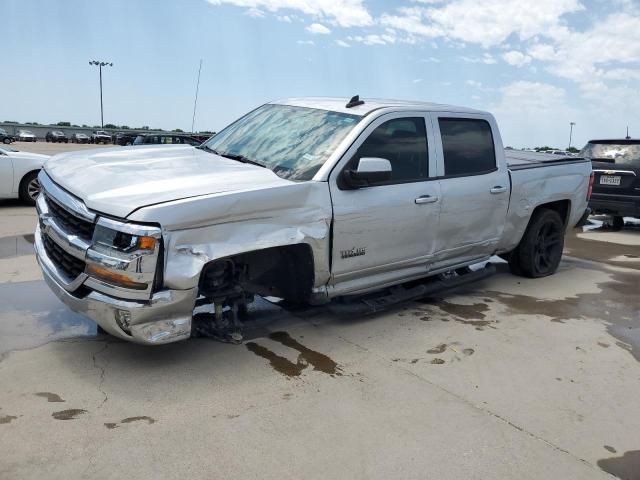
(614, 180)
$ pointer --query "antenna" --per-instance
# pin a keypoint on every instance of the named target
(195, 103)
(354, 102)
(627, 137)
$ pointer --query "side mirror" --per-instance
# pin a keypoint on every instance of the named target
(370, 170)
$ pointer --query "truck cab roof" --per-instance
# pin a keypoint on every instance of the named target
(339, 104)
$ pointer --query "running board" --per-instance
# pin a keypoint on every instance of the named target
(374, 303)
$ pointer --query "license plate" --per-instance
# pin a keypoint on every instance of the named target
(610, 180)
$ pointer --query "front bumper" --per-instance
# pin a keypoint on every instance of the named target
(165, 318)
(154, 318)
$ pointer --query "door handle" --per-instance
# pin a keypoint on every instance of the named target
(498, 189)
(426, 199)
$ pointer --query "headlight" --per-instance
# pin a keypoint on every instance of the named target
(123, 255)
(124, 237)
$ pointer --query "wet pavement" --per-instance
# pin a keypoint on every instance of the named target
(505, 378)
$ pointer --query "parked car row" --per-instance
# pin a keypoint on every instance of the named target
(5, 137)
(103, 137)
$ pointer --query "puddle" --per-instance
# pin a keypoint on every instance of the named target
(7, 419)
(16, 246)
(475, 311)
(143, 418)
(439, 349)
(626, 467)
(32, 316)
(306, 357)
(70, 414)
(604, 247)
(318, 360)
(618, 304)
(279, 364)
(51, 397)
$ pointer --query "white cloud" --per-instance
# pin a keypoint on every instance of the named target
(516, 58)
(306, 42)
(487, 23)
(318, 28)
(343, 13)
(577, 55)
(486, 58)
(284, 18)
(473, 83)
(373, 39)
(417, 80)
(342, 43)
(254, 12)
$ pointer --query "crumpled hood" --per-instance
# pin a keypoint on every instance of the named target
(117, 181)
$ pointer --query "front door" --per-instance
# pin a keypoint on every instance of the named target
(387, 230)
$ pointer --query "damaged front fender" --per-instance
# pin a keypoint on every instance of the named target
(199, 230)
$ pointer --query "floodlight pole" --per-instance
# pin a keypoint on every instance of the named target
(101, 64)
(571, 124)
(195, 102)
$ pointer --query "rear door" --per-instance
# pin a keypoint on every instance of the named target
(475, 187)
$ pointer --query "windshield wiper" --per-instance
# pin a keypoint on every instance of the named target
(206, 149)
(231, 156)
(240, 158)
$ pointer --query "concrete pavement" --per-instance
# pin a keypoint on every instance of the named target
(508, 378)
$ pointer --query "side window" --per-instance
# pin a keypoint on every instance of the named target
(467, 145)
(402, 141)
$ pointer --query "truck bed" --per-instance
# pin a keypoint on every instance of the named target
(520, 160)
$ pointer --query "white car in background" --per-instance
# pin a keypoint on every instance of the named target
(19, 174)
(26, 136)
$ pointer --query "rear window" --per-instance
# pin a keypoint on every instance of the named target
(467, 145)
(618, 153)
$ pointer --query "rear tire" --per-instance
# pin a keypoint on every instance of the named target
(540, 250)
(617, 223)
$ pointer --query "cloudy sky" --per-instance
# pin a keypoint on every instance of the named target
(536, 64)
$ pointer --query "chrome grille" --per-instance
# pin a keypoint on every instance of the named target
(70, 265)
(71, 223)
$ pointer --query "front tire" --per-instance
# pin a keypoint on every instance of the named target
(30, 188)
(540, 250)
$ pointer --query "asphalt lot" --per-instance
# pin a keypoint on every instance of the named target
(508, 378)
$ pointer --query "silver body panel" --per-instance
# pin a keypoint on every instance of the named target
(210, 207)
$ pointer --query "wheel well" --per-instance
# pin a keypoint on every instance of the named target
(286, 272)
(562, 207)
(24, 177)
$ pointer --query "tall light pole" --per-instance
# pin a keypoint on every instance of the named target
(571, 124)
(195, 102)
(101, 64)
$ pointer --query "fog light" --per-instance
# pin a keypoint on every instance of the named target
(123, 319)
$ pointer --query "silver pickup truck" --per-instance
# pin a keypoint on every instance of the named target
(304, 199)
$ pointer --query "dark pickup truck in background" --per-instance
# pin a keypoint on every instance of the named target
(616, 187)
